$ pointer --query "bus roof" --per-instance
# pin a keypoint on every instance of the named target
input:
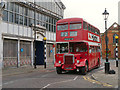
(69, 20)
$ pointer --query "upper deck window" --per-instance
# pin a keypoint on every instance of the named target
(75, 25)
(84, 25)
(62, 27)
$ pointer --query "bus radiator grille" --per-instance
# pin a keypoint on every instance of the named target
(68, 60)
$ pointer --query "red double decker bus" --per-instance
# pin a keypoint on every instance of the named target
(77, 46)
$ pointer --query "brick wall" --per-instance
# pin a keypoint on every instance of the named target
(111, 46)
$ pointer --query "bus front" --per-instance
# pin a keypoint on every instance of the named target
(71, 50)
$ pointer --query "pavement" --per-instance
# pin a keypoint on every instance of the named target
(27, 69)
(111, 79)
(100, 75)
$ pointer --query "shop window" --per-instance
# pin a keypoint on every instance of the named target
(16, 8)
(10, 17)
(25, 21)
(5, 15)
(21, 20)
(16, 18)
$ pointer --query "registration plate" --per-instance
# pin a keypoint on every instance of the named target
(68, 68)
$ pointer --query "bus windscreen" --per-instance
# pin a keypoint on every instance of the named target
(62, 47)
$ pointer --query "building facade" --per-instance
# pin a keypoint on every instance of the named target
(17, 35)
(112, 31)
(119, 12)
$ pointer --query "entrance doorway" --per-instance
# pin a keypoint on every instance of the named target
(39, 53)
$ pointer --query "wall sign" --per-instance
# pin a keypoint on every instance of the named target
(21, 49)
(51, 51)
(93, 37)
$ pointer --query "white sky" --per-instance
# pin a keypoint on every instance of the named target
(91, 11)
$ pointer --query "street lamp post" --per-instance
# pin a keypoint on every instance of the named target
(107, 64)
(34, 37)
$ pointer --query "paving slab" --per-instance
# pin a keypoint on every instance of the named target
(111, 79)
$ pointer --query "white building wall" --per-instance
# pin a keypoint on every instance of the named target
(51, 36)
(14, 29)
(1, 46)
(119, 12)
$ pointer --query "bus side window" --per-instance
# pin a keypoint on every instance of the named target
(95, 49)
(77, 49)
(90, 50)
(98, 49)
(71, 50)
(85, 26)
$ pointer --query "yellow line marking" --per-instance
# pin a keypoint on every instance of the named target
(94, 81)
(84, 77)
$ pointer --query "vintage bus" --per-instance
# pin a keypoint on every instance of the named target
(77, 46)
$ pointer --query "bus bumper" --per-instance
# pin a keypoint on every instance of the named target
(72, 66)
(75, 65)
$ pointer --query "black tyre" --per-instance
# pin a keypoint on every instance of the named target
(84, 69)
(58, 70)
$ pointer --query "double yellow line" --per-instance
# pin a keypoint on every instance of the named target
(94, 81)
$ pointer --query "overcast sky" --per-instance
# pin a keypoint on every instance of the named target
(91, 11)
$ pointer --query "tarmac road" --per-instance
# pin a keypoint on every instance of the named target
(49, 79)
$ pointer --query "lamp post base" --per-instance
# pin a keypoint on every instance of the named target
(116, 63)
(107, 67)
(45, 65)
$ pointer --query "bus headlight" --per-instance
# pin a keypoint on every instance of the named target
(59, 62)
(78, 61)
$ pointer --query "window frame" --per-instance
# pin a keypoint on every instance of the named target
(75, 27)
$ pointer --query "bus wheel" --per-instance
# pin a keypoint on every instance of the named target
(84, 69)
(58, 70)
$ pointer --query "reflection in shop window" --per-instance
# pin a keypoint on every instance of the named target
(25, 21)
(16, 18)
(5, 15)
(11, 6)
(21, 20)
(10, 17)
(16, 8)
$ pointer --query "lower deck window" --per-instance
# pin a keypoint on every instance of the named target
(62, 48)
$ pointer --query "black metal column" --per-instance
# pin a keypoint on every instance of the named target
(44, 41)
(116, 56)
(107, 64)
(34, 37)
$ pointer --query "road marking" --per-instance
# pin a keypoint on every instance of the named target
(94, 81)
(75, 78)
(59, 82)
(8, 82)
(46, 86)
(84, 77)
(54, 83)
